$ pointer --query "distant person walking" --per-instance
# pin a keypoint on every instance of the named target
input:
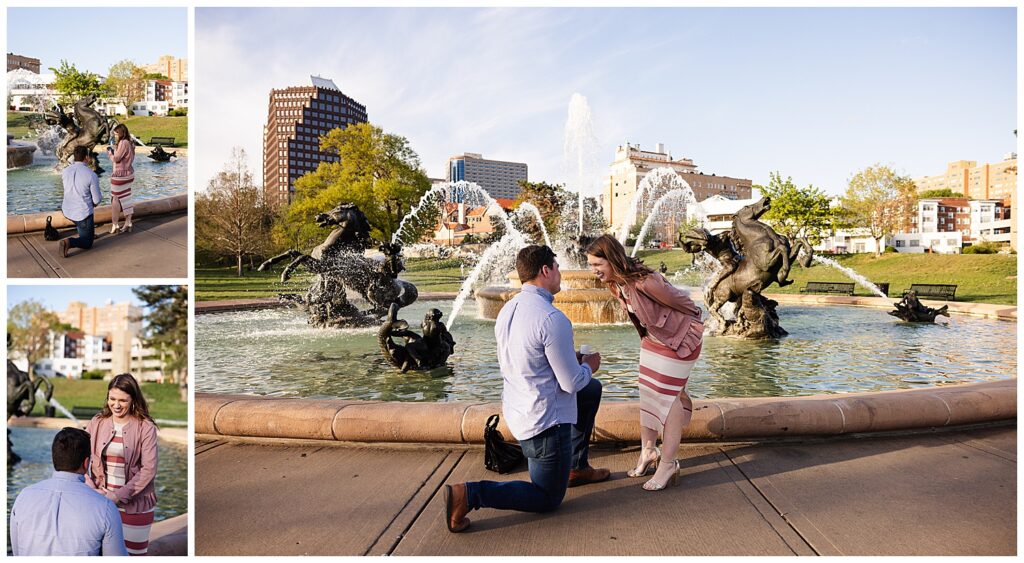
(123, 156)
(671, 336)
(61, 515)
(81, 196)
(124, 459)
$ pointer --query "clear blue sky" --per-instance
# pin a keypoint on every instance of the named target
(816, 93)
(57, 297)
(111, 35)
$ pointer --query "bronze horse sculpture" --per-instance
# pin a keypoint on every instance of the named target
(21, 398)
(753, 256)
(86, 127)
(339, 263)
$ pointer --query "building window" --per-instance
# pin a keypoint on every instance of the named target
(914, 242)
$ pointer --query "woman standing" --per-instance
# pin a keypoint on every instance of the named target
(123, 156)
(671, 335)
(124, 459)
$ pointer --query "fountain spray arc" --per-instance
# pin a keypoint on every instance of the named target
(581, 150)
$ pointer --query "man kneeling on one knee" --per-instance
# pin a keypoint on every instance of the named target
(549, 399)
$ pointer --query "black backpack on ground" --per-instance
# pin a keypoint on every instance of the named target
(499, 455)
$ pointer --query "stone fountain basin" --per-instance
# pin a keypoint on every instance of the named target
(716, 419)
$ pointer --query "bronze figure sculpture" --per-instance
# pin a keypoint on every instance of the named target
(160, 155)
(85, 127)
(21, 399)
(753, 256)
(419, 352)
(340, 264)
(911, 310)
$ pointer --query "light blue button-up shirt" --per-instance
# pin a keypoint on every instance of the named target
(63, 516)
(538, 363)
(81, 191)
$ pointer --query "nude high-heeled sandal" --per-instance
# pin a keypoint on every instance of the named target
(653, 485)
(644, 465)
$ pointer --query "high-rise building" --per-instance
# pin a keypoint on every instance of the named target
(498, 178)
(15, 62)
(172, 68)
(106, 320)
(632, 164)
(296, 118)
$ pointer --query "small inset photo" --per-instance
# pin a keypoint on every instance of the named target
(97, 420)
(97, 143)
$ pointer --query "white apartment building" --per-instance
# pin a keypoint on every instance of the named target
(150, 108)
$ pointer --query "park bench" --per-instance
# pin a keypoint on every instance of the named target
(844, 288)
(84, 413)
(164, 141)
(933, 290)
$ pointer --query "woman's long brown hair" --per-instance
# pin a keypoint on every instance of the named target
(626, 268)
(123, 130)
(125, 382)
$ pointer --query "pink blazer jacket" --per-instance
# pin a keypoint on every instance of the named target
(140, 442)
(666, 312)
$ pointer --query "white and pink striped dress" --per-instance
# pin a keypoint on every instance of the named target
(123, 176)
(136, 526)
(663, 374)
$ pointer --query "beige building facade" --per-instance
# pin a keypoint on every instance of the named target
(107, 320)
(172, 68)
(632, 164)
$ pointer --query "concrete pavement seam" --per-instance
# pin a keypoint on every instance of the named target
(433, 493)
(789, 515)
(730, 467)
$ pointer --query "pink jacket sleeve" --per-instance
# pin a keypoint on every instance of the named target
(91, 430)
(121, 152)
(657, 288)
(146, 473)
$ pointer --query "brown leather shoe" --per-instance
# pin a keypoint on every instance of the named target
(456, 507)
(587, 475)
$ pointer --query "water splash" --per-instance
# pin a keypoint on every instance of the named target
(56, 405)
(581, 149)
(529, 208)
(861, 280)
(452, 192)
(652, 187)
(683, 195)
(510, 243)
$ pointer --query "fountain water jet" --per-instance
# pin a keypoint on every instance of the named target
(683, 194)
(861, 280)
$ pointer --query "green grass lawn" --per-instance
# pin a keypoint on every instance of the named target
(162, 398)
(981, 278)
(143, 127)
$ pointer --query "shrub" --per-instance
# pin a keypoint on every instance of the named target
(93, 374)
(982, 248)
(890, 249)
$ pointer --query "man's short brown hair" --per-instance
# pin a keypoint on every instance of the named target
(531, 259)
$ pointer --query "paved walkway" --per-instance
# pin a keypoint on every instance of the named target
(936, 493)
(157, 247)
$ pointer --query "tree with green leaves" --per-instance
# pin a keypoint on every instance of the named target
(232, 216)
(498, 229)
(377, 171)
(126, 82)
(154, 76)
(549, 199)
(166, 325)
(881, 201)
(73, 84)
(942, 192)
(797, 211)
(29, 324)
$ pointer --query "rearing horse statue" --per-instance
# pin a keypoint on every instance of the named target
(753, 256)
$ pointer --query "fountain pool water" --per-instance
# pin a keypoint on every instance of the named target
(38, 187)
(830, 349)
(33, 445)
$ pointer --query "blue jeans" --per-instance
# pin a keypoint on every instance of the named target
(549, 455)
(86, 232)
